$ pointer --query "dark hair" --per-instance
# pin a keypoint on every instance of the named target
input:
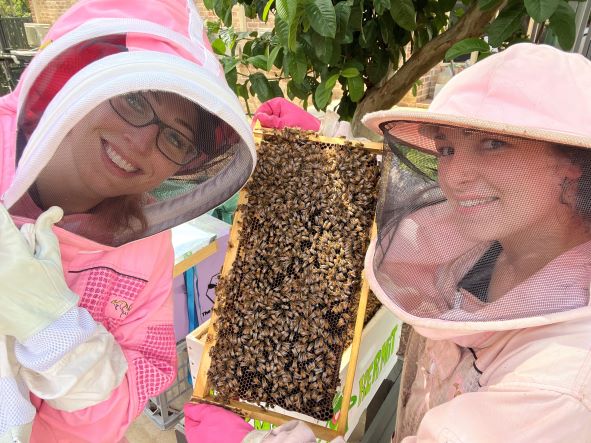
(122, 213)
(580, 157)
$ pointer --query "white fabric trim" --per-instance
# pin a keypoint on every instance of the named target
(109, 26)
(42, 350)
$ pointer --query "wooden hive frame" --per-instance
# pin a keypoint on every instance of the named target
(201, 392)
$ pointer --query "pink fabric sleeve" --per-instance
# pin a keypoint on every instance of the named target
(7, 139)
(518, 415)
(145, 335)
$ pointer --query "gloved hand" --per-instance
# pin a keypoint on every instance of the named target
(212, 424)
(278, 113)
(33, 291)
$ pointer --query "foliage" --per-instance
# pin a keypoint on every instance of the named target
(14, 8)
(360, 45)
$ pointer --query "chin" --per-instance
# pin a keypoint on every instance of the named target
(482, 235)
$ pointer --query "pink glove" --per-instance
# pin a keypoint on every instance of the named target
(278, 113)
(212, 424)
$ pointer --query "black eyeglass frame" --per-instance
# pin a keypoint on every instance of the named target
(161, 125)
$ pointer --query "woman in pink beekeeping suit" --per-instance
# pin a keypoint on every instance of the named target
(484, 247)
(120, 128)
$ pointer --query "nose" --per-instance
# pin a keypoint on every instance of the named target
(142, 139)
(459, 170)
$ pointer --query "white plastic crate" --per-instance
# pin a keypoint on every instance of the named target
(166, 409)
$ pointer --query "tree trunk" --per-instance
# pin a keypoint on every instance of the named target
(470, 25)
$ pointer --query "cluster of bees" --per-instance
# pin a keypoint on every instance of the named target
(286, 310)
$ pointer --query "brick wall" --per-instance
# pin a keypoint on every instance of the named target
(47, 11)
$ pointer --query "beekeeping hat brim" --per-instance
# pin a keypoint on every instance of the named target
(526, 91)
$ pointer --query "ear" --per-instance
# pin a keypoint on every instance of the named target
(566, 168)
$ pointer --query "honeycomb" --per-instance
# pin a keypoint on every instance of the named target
(287, 308)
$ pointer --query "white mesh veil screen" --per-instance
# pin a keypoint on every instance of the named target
(478, 226)
(136, 164)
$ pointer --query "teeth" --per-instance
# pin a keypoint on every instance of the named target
(119, 161)
(469, 203)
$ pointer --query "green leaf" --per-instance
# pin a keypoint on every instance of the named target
(223, 9)
(350, 72)
(506, 24)
(541, 10)
(486, 5)
(335, 57)
(346, 109)
(447, 5)
(299, 90)
(354, 63)
(322, 47)
(287, 10)
(377, 66)
(231, 77)
(332, 81)
(344, 30)
(369, 34)
(322, 96)
(466, 46)
(272, 57)
(261, 87)
(242, 91)
(258, 61)
(380, 6)
(247, 48)
(228, 36)
(562, 23)
(286, 33)
(356, 18)
(355, 85)
(218, 46)
(213, 27)
(282, 31)
(266, 10)
(250, 11)
(298, 66)
(229, 63)
(322, 17)
(403, 12)
(209, 4)
(275, 89)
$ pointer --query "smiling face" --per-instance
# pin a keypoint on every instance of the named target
(105, 156)
(503, 188)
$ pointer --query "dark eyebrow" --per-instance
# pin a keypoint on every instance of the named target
(158, 97)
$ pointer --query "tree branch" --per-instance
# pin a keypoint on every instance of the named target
(470, 25)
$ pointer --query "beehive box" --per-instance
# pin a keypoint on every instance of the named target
(292, 295)
(377, 356)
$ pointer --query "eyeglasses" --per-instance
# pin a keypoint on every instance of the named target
(136, 110)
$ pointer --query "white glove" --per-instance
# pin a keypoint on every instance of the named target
(291, 432)
(33, 291)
